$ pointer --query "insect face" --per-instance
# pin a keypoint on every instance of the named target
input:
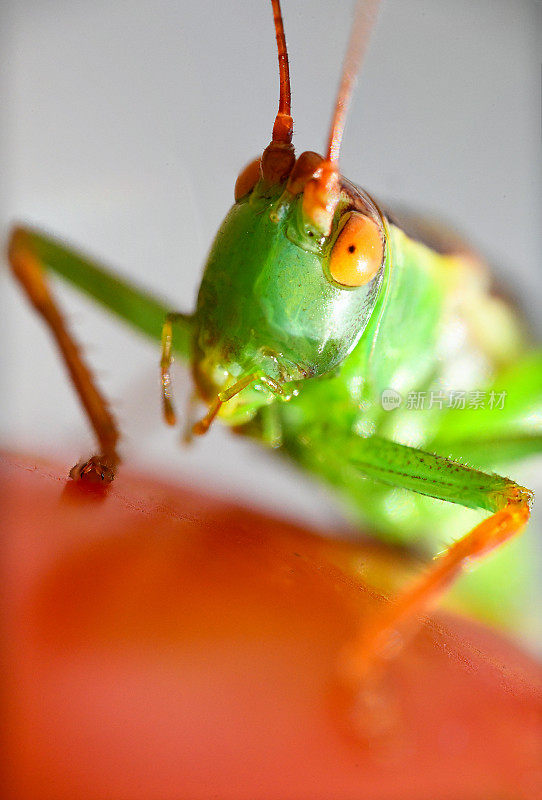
(280, 298)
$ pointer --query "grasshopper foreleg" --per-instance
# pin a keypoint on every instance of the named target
(166, 359)
(28, 270)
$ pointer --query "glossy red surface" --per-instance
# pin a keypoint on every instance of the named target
(162, 644)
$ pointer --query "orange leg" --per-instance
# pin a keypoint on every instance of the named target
(29, 272)
(402, 618)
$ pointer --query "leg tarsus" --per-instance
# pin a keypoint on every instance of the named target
(96, 469)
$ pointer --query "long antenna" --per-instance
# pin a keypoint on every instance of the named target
(278, 157)
(283, 127)
(364, 19)
(322, 193)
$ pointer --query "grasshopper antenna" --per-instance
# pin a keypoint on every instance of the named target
(278, 158)
(284, 124)
(321, 200)
(364, 19)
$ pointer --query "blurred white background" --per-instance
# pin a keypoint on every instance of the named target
(124, 125)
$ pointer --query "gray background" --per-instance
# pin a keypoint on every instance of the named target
(125, 124)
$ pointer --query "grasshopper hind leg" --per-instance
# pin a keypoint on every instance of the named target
(443, 479)
(396, 465)
(30, 273)
(402, 618)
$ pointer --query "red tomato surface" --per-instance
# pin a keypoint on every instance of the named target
(164, 645)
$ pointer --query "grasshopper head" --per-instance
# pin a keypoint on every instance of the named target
(280, 297)
(295, 270)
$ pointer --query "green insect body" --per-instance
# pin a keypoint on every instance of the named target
(282, 321)
(421, 299)
(411, 346)
(287, 354)
(405, 339)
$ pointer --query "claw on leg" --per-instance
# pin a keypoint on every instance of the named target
(96, 470)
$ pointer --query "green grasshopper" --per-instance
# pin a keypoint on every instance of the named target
(322, 329)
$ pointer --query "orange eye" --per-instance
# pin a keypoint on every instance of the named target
(358, 251)
(247, 180)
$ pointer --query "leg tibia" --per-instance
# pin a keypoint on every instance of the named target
(402, 616)
(28, 270)
(387, 462)
(165, 367)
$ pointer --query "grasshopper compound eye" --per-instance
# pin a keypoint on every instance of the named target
(248, 178)
(358, 251)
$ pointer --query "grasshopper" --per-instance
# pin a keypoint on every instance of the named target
(323, 324)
